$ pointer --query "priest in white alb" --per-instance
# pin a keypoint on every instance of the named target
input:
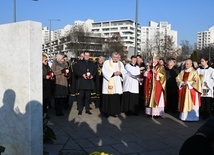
(206, 75)
(130, 97)
(113, 74)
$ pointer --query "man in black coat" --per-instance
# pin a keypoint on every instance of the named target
(86, 71)
(99, 81)
(171, 87)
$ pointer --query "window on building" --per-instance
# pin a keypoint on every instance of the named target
(131, 28)
(128, 23)
(95, 30)
(106, 24)
(96, 25)
(106, 29)
(114, 28)
(124, 28)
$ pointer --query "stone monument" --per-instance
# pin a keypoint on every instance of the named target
(21, 131)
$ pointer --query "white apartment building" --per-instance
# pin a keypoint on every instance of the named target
(45, 35)
(57, 34)
(205, 38)
(150, 33)
(126, 29)
(54, 34)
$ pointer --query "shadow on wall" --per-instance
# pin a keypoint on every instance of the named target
(14, 134)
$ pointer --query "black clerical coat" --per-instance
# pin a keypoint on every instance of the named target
(81, 68)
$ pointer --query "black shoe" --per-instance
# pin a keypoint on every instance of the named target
(128, 113)
(135, 114)
(114, 115)
(88, 112)
(80, 113)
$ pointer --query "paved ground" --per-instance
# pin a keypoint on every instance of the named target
(124, 135)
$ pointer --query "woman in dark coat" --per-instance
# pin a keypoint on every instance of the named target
(47, 78)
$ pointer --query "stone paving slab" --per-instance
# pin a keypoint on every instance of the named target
(133, 135)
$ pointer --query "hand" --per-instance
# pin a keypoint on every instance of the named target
(205, 84)
(154, 71)
(117, 73)
(142, 68)
(84, 76)
(90, 77)
(47, 77)
(63, 70)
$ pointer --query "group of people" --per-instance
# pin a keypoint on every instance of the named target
(125, 88)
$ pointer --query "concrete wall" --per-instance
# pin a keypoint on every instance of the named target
(21, 131)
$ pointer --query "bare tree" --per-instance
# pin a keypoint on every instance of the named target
(176, 52)
(186, 49)
(167, 47)
(78, 39)
(81, 40)
(158, 43)
(163, 45)
(148, 49)
(205, 52)
(115, 44)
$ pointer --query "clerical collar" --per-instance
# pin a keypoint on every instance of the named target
(114, 61)
(133, 65)
(188, 70)
(206, 67)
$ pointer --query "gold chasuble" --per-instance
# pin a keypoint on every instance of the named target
(159, 86)
(155, 97)
(188, 94)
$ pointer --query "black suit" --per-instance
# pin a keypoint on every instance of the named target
(84, 86)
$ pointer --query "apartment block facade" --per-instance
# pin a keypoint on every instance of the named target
(106, 29)
(149, 34)
(205, 38)
(126, 29)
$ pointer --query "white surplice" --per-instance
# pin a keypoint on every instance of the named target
(108, 73)
(208, 77)
(131, 83)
